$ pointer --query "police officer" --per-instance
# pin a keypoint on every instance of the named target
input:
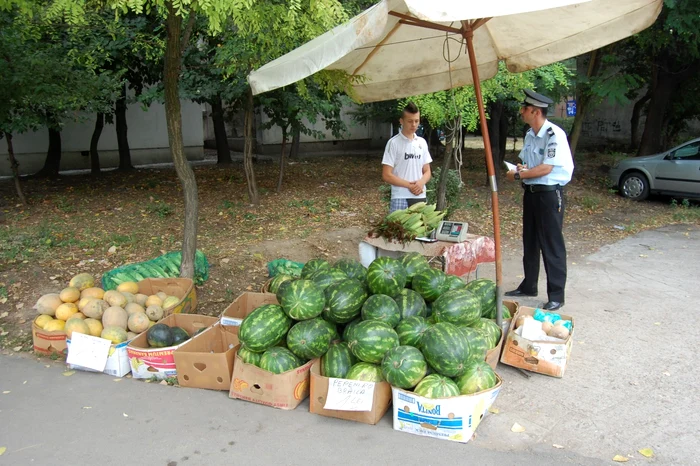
(546, 168)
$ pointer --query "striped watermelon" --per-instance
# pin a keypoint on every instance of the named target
(313, 266)
(459, 307)
(430, 283)
(382, 308)
(371, 340)
(386, 276)
(414, 263)
(366, 372)
(445, 348)
(454, 282)
(505, 314)
(332, 330)
(436, 386)
(478, 344)
(324, 278)
(491, 329)
(353, 269)
(349, 327)
(485, 290)
(404, 366)
(248, 356)
(337, 361)
(344, 300)
(411, 330)
(264, 328)
(281, 287)
(277, 281)
(411, 303)
(279, 360)
(309, 339)
(477, 377)
(302, 300)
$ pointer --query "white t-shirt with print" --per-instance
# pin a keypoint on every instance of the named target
(407, 157)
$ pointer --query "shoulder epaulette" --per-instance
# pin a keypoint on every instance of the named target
(550, 131)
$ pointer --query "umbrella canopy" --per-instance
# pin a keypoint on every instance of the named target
(398, 58)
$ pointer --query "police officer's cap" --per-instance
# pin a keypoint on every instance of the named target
(536, 100)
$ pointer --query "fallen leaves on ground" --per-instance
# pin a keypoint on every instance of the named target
(647, 452)
(68, 373)
(620, 459)
(517, 428)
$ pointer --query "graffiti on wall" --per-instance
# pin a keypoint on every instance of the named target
(601, 126)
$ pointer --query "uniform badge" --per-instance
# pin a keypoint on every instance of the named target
(551, 152)
(541, 151)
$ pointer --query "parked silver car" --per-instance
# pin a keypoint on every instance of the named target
(675, 172)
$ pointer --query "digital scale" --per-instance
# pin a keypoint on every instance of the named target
(454, 232)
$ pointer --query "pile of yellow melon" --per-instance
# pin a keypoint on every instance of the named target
(116, 315)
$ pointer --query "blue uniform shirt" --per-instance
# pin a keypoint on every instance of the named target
(548, 146)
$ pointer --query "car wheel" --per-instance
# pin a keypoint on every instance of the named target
(634, 186)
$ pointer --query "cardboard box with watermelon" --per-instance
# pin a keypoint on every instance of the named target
(206, 361)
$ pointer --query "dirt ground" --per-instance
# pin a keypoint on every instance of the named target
(84, 223)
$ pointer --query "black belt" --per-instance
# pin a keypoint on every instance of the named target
(538, 188)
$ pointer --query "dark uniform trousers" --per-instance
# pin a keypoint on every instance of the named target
(543, 218)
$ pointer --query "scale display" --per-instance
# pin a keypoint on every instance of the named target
(455, 232)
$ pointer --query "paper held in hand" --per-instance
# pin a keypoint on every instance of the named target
(88, 351)
(349, 395)
(510, 166)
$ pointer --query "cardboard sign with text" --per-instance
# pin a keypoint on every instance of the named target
(117, 363)
(207, 360)
(182, 288)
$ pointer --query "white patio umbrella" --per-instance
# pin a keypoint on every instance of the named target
(400, 48)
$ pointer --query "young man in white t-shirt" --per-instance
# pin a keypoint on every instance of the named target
(406, 162)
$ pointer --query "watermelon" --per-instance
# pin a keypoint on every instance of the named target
(302, 300)
(431, 320)
(477, 377)
(353, 269)
(436, 386)
(491, 329)
(277, 281)
(459, 307)
(159, 336)
(309, 339)
(366, 372)
(347, 331)
(414, 263)
(180, 335)
(279, 360)
(411, 330)
(382, 308)
(264, 328)
(430, 283)
(371, 339)
(445, 348)
(324, 278)
(478, 344)
(404, 366)
(485, 290)
(386, 276)
(454, 282)
(337, 361)
(280, 289)
(411, 303)
(249, 357)
(344, 300)
(505, 314)
(313, 266)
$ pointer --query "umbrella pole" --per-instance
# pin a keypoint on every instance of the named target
(469, 36)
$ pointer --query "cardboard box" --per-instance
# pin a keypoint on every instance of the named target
(117, 361)
(283, 391)
(319, 391)
(159, 363)
(494, 354)
(543, 357)
(183, 288)
(48, 343)
(244, 305)
(455, 418)
(207, 360)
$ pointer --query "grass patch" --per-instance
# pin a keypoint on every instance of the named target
(161, 209)
(685, 212)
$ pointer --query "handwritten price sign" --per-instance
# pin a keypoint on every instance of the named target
(349, 395)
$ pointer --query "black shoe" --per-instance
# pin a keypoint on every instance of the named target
(517, 293)
(552, 306)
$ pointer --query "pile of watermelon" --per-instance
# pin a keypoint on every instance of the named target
(399, 321)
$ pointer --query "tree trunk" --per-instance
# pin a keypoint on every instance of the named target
(122, 132)
(223, 153)
(661, 93)
(283, 159)
(248, 151)
(449, 150)
(173, 117)
(634, 122)
(97, 132)
(494, 125)
(296, 140)
(583, 99)
(53, 155)
(15, 168)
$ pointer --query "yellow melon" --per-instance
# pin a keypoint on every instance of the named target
(66, 310)
(154, 300)
(93, 292)
(54, 326)
(130, 297)
(84, 302)
(95, 327)
(130, 336)
(115, 298)
(132, 308)
(162, 295)
(170, 301)
(155, 313)
(79, 315)
(42, 320)
(151, 323)
(48, 304)
(76, 325)
(129, 287)
(82, 281)
(138, 322)
(94, 308)
(115, 316)
(140, 298)
(69, 295)
(114, 334)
